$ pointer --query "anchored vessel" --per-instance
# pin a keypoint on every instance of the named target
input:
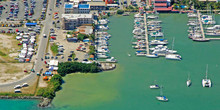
(206, 82)
(162, 97)
(154, 86)
(188, 82)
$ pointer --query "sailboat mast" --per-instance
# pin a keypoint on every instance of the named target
(161, 91)
(206, 71)
(173, 43)
(188, 75)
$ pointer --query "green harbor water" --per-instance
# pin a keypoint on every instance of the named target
(127, 87)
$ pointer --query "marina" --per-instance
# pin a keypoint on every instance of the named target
(203, 28)
(148, 25)
(134, 75)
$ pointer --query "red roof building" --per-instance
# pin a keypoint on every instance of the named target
(160, 4)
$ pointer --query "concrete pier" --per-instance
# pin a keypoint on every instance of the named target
(146, 34)
(200, 23)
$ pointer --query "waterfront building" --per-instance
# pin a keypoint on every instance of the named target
(112, 5)
(161, 5)
(75, 8)
(71, 21)
(97, 5)
(83, 8)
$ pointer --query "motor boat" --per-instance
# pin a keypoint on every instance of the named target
(173, 57)
(157, 34)
(103, 21)
(192, 15)
(213, 27)
(112, 59)
(213, 34)
(152, 17)
(158, 42)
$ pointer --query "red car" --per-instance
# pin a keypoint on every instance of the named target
(45, 62)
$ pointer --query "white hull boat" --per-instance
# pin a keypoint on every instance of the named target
(152, 56)
(188, 83)
(206, 82)
(173, 57)
(154, 86)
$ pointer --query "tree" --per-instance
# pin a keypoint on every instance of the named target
(120, 12)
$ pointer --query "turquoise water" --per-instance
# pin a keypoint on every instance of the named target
(127, 87)
(18, 104)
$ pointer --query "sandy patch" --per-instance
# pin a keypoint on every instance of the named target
(11, 72)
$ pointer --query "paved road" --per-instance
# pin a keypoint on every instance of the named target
(40, 54)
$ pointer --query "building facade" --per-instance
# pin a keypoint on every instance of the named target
(97, 5)
(75, 8)
(71, 21)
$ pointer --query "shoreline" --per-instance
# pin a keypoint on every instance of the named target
(44, 102)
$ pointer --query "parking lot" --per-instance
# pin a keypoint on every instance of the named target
(16, 10)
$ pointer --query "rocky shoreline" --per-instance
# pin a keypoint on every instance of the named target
(45, 102)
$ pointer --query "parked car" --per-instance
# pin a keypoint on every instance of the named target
(17, 87)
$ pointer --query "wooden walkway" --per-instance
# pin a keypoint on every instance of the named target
(146, 34)
(200, 23)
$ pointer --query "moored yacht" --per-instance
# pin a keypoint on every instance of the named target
(173, 57)
(112, 59)
(157, 34)
(206, 82)
(158, 42)
(152, 55)
(152, 17)
(213, 27)
(192, 15)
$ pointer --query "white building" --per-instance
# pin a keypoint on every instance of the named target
(71, 21)
(53, 64)
(76, 8)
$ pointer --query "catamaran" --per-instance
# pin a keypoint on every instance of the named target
(206, 82)
(162, 97)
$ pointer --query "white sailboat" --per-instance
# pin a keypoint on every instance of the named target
(162, 97)
(206, 82)
(188, 82)
(173, 56)
(154, 86)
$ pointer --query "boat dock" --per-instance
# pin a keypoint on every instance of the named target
(146, 34)
(200, 23)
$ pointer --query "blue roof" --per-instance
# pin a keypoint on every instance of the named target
(48, 73)
(68, 5)
(31, 24)
(83, 6)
